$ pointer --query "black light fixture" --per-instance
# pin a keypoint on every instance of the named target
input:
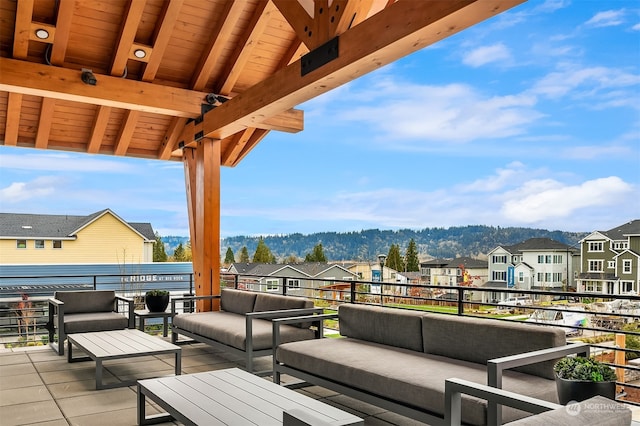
(88, 77)
(213, 99)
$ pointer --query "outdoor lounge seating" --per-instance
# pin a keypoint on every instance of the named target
(86, 311)
(595, 411)
(243, 325)
(399, 360)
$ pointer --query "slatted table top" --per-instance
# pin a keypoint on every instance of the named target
(121, 344)
(235, 397)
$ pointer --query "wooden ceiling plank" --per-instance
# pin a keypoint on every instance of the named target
(126, 132)
(98, 129)
(46, 81)
(130, 24)
(24, 14)
(14, 106)
(170, 15)
(247, 44)
(218, 40)
(45, 122)
(297, 17)
(63, 30)
(169, 144)
(431, 21)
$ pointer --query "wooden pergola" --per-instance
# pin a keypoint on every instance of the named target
(197, 81)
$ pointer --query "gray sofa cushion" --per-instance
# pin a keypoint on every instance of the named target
(237, 301)
(406, 376)
(230, 329)
(97, 321)
(479, 340)
(390, 326)
(87, 301)
(596, 411)
(275, 302)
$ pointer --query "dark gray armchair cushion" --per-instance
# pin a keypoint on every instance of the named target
(275, 302)
(388, 326)
(596, 411)
(97, 321)
(475, 340)
(237, 301)
(87, 301)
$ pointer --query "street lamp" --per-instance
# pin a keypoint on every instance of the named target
(381, 259)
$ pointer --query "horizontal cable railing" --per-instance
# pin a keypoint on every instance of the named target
(610, 324)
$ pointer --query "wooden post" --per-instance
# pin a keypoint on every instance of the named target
(620, 359)
(202, 181)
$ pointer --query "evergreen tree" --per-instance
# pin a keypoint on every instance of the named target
(394, 260)
(411, 257)
(263, 254)
(188, 254)
(229, 258)
(159, 255)
(178, 254)
(244, 255)
(317, 255)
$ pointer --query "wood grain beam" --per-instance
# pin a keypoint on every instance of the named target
(30, 78)
(169, 144)
(12, 125)
(98, 129)
(21, 34)
(44, 123)
(255, 138)
(130, 23)
(126, 132)
(379, 40)
(63, 30)
(162, 36)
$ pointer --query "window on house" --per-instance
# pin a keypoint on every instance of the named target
(626, 266)
(520, 277)
(540, 277)
(557, 277)
(21, 244)
(499, 275)
(39, 244)
(557, 258)
(627, 287)
(57, 244)
(291, 283)
(593, 286)
(540, 258)
(621, 245)
(272, 285)
(596, 246)
(547, 258)
(595, 265)
(611, 264)
(499, 258)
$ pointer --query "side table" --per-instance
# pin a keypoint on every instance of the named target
(142, 315)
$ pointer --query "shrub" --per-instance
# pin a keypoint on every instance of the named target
(157, 293)
(584, 369)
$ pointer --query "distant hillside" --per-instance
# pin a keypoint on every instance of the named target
(367, 244)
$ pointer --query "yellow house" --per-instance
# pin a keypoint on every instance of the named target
(101, 237)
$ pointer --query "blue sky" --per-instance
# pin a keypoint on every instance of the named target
(529, 119)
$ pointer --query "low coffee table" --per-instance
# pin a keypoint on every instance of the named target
(107, 345)
(233, 397)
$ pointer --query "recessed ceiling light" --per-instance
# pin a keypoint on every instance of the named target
(42, 34)
(139, 53)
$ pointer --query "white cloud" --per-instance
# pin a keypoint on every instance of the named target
(487, 54)
(503, 178)
(608, 18)
(636, 27)
(63, 162)
(18, 192)
(540, 200)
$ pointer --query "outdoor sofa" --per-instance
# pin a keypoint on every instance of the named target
(399, 360)
(243, 325)
(86, 311)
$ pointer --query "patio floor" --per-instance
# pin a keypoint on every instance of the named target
(38, 387)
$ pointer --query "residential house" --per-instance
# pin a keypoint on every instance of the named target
(370, 271)
(101, 237)
(534, 264)
(304, 279)
(461, 271)
(610, 261)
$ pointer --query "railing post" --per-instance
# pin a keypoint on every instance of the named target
(95, 282)
(284, 286)
(353, 292)
(236, 279)
(460, 301)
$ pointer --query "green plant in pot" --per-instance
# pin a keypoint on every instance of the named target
(156, 300)
(579, 378)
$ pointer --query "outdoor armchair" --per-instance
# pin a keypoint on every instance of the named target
(86, 311)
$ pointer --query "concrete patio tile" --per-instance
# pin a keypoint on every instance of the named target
(16, 369)
(103, 401)
(206, 367)
(23, 414)
(47, 354)
(75, 388)
(126, 417)
(24, 395)
(62, 364)
(59, 422)
(64, 376)
(26, 380)
(12, 358)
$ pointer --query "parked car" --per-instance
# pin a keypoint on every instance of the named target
(515, 301)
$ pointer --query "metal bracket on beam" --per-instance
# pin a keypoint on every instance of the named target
(320, 56)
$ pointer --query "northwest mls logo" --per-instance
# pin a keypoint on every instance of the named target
(573, 408)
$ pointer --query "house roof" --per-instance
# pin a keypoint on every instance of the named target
(311, 269)
(44, 226)
(539, 244)
(129, 78)
(622, 232)
(468, 262)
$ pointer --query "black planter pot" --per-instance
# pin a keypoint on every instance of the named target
(572, 390)
(157, 303)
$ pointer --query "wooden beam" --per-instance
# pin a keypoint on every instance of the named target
(98, 130)
(126, 132)
(63, 30)
(290, 121)
(12, 125)
(255, 138)
(238, 142)
(162, 36)
(169, 144)
(379, 40)
(30, 78)
(21, 34)
(44, 124)
(130, 23)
